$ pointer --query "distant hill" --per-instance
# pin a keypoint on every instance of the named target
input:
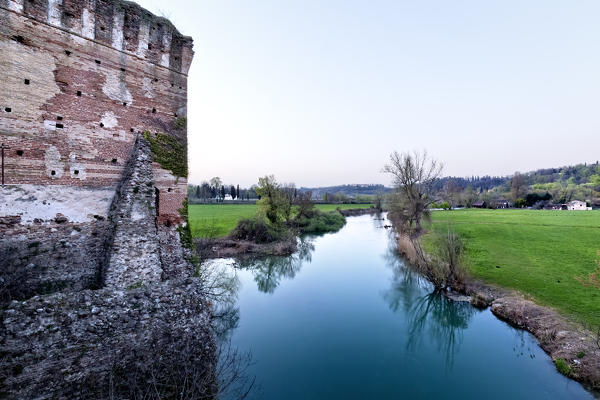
(552, 185)
(347, 190)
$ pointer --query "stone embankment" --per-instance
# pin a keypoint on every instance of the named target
(560, 338)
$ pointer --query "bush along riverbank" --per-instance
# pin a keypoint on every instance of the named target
(574, 349)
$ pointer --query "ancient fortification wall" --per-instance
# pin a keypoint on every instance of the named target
(82, 80)
(96, 288)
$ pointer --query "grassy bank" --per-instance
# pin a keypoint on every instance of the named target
(218, 220)
(536, 252)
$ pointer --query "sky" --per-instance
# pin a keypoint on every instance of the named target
(321, 92)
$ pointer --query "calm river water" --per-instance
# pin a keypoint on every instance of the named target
(344, 318)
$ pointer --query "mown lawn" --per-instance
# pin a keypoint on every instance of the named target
(536, 252)
(218, 220)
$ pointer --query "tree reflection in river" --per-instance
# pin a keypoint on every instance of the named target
(430, 313)
(269, 271)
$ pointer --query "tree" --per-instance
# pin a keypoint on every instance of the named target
(237, 192)
(272, 201)
(414, 175)
(451, 192)
(222, 192)
(233, 193)
(205, 191)
(306, 208)
(517, 186)
(215, 185)
(198, 192)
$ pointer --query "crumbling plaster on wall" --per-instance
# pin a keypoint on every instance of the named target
(42, 202)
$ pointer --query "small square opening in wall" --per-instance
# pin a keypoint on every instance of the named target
(52, 172)
(131, 130)
(67, 52)
(98, 62)
(122, 69)
(20, 153)
(76, 172)
(79, 93)
(27, 81)
(149, 46)
(169, 190)
(8, 109)
(102, 28)
(114, 160)
(59, 126)
(124, 104)
(154, 111)
(101, 125)
(59, 118)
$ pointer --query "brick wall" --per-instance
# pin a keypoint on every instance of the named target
(80, 79)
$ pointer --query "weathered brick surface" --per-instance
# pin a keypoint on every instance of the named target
(79, 80)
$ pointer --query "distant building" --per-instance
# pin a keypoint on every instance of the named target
(502, 204)
(479, 204)
(578, 205)
(554, 206)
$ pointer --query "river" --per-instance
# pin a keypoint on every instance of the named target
(345, 318)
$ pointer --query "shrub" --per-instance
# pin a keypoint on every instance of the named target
(258, 230)
(562, 366)
(321, 222)
(446, 267)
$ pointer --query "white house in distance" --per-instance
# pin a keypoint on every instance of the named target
(578, 205)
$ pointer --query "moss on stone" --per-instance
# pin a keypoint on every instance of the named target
(168, 152)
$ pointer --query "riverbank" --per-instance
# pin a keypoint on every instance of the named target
(574, 350)
(210, 221)
(227, 247)
(207, 248)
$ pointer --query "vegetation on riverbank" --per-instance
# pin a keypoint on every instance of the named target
(543, 254)
(218, 220)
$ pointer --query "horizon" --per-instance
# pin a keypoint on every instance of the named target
(319, 94)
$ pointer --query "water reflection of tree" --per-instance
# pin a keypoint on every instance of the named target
(442, 320)
(430, 314)
(269, 271)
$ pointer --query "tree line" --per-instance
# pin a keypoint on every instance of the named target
(216, 190)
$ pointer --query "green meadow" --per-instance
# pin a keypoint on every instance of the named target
(218, 220)
(539, 253)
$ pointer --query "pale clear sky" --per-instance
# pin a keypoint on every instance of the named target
(320, 92)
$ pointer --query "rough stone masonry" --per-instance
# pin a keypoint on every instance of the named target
(93, 98)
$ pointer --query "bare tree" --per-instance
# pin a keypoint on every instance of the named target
(452, 192)
(414, 175)
(517, 186)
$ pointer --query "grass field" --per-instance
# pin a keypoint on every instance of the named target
(536, 252)
(218, 220)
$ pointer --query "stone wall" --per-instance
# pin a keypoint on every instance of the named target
(108, 344)
(97, 294)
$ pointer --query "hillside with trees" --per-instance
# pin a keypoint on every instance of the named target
(540, 188)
